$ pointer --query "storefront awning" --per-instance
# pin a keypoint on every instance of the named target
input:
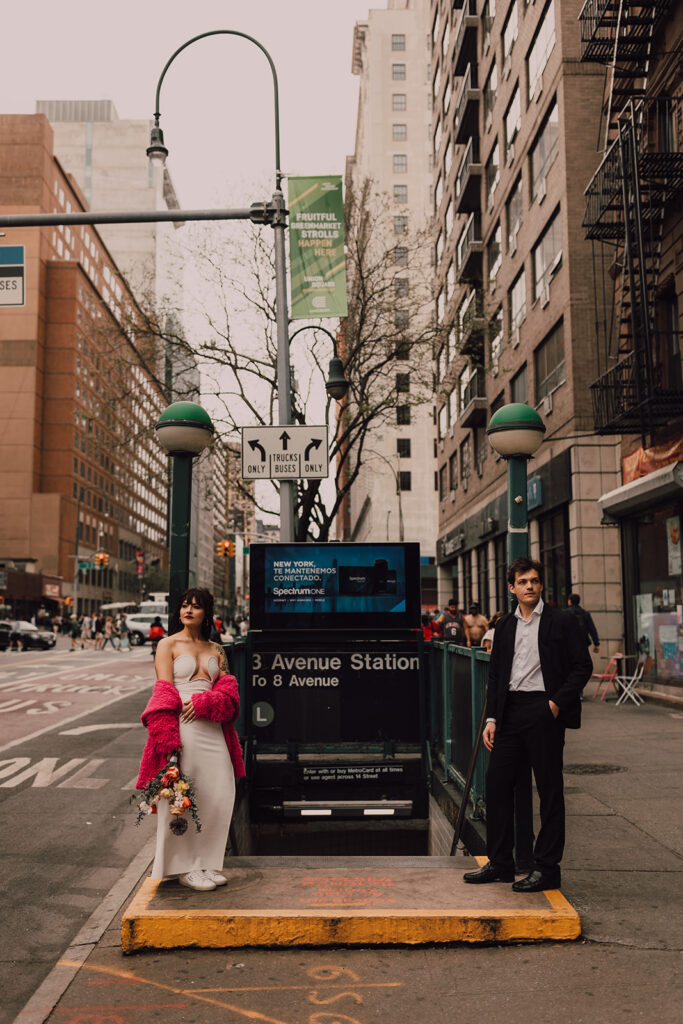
(642, 493)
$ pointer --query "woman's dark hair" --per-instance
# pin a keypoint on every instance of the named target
(202, 597)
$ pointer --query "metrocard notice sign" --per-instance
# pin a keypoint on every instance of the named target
(316, 247)
(12, 275)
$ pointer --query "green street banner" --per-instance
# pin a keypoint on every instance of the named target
(316, 247)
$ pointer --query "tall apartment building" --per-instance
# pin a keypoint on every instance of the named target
(392, 498)
(633, 218)
(80, 469)
(515, 116)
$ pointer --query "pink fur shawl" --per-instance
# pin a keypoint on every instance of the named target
(161, 718)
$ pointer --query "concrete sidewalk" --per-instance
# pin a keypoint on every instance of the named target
(623, 871)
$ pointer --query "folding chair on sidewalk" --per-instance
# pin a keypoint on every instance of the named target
(608, 677)
(628, 683)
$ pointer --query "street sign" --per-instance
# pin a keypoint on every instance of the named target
(285, 453)
(11, 275)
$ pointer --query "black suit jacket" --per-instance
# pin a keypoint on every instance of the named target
(565, 663)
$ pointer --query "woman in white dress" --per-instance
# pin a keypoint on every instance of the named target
(194, 664)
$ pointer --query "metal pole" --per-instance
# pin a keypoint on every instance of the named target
(179, 541)
(284, 379)
(518, 547)
(78, 540)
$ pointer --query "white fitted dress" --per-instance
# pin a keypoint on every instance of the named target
(206, 760)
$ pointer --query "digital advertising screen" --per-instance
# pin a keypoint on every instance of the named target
(335, 586)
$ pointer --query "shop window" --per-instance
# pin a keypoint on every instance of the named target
(657, 597)
(549, 363)
(554, 536)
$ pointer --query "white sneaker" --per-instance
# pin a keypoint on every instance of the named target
(196, 880)
(217, 877)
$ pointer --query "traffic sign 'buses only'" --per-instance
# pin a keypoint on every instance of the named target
(11, 275)
(285, 453)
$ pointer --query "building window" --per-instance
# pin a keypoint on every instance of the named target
(517, 305)
(543, 152)
(487, 15)
(442, 425)
(668, 352)
(496, 338)
(399, 101)
(549, 363)
(398, 72)
(554, 533)
(399, 132)
(494, 253)
(400, 256)
(509, 34)
(513, 215)
(490, 90)
(402, 350)
(466, 563)
(483, 576)
(400, 194)
(400, 287)
(398, 41)
(453, 406)
(402, 415)
(513, 122)
(519, 386)
(466, 458)
(546, 255)
(446, 98)
(540, 51)
(403, 447)
(400, 225)
(453, 471)
(443, 482)
(492, 174)
(479, 448)
(400, 163)
(404, 483)
(403, 383)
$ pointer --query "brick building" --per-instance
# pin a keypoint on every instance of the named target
(77, 451)
(514, 120)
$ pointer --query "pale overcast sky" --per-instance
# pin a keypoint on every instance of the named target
(217, 100)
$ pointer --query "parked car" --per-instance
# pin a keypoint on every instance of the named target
(30, 636)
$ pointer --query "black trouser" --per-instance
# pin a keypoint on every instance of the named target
(528, 734)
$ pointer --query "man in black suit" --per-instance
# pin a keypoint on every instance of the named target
(539, 666)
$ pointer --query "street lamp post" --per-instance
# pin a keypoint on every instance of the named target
(336, 384)
(516, 433)
(275, 214)
(184, 429)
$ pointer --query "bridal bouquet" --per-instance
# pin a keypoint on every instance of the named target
(171, 785)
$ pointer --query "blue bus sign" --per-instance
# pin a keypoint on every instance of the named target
(12, 275)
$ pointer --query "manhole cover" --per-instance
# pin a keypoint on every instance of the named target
(593, 769)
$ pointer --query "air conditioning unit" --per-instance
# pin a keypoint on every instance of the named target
(545, 296)
(539, 87)
(542, 189)
(514, 337)
(507, 67)
(452, 495)
(547, 404)
(489, 121)
(510, 153)
(465, 483)
(513, 243)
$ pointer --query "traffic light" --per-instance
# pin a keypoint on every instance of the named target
(105, 559)
(231, 548)
(220, 549)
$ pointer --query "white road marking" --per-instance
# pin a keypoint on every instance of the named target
(81, 730)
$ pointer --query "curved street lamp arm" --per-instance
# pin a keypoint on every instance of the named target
(315, 327)
(242, 35)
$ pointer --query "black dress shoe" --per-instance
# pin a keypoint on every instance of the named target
(489, 873)
(538, 881)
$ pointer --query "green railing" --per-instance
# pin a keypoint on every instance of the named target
(456, 683)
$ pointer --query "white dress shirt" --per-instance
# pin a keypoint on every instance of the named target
(525, 674)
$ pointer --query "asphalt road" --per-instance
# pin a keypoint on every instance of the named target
(70, 744)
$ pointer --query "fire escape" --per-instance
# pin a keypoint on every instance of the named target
(627, 202)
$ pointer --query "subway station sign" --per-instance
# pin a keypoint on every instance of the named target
(12, 275)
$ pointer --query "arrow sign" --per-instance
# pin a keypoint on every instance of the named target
(254, 445)
(315, 443)
(285, 452)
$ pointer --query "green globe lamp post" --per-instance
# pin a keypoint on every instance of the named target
(516, 432)
(184, 429)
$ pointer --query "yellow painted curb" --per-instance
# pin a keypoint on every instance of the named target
(145, 928)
